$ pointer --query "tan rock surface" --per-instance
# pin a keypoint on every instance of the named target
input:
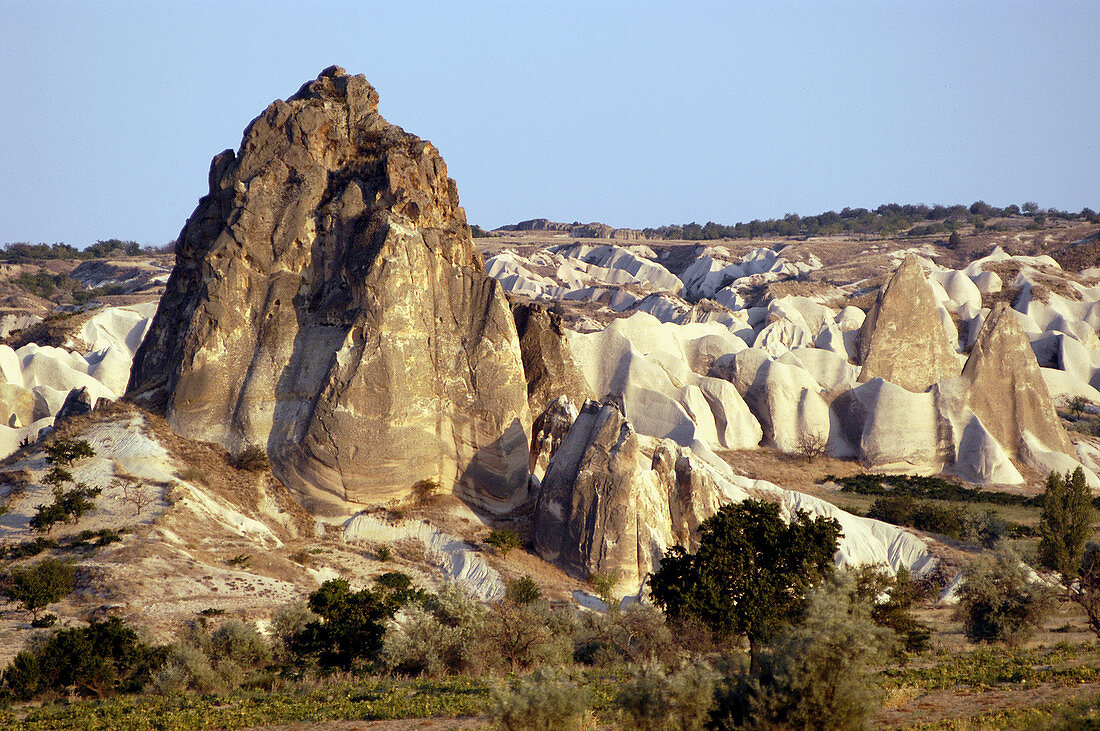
(328, 305)
(1006, 387)
(548, 363)
(903, 340)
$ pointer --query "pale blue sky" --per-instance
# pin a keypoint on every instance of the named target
(634, 113)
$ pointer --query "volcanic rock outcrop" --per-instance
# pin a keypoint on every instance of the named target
(1006, 387)
(548, 363)
(903, 339)
(327, 304)
(612, 501)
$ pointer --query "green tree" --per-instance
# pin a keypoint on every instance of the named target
(1065, 523)
(352, 623)
(954, 240)
(751, 573)
(37, 586)
(66, 451)
(523, 590)
(1000, 600)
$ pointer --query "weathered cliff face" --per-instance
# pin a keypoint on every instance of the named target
(328, 305)
(548, 363)
(613, 501)
(903, 340)
(1006, 387)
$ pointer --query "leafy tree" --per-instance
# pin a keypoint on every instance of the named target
(66, 451)
(1000, 600)
(504, 540)
(100, 659)
(352, 623)
(603, 583)
(1065, 523)
(954, 240)
(37, 586)
(57, 477)
(1086, 591)
(751, 573)
(895, 611)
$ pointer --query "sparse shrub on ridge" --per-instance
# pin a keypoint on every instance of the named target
(503, 540)
(39, 585)
(66, 451)
(252, 459)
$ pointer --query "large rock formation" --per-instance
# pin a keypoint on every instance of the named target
(548, 363)
(612, 501)
(903, 338)
(327, 304)
(1006, 387)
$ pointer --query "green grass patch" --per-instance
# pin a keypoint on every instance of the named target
(374, 699)
(987, 668)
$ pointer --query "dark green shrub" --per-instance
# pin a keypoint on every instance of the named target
(65, 450)
(523, 590)
(352, 623)
(438, 637)
(251, 459)
(652, 700)
(101, 659)
(504, 540)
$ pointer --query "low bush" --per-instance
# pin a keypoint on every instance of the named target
(816, 674)
(436, 638)
(1001, 600)
(523, 590)
(101, 659)
(653, 700)
(503, 540)
(541, 702)
(252, 459)
(66, 451)
(637, 635)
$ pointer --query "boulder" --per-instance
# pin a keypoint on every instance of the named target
(327, 304)
(1006, 388)
(903, 339)
(548, 363)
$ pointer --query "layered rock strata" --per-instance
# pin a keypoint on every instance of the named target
(328, 305)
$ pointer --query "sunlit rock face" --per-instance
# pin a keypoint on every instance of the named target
(903, 339)
(328, 305)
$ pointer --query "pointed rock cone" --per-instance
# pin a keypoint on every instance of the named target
(903, 340)
(1006, 387)
(328, 305)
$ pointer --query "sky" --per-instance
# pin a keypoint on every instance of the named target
(631, 113)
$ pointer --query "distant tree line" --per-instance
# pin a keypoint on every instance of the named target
(887, 219)
(23, 251)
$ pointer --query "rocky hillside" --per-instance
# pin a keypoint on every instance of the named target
(329, 311)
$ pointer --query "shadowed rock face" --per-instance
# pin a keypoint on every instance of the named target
(548, 363)
(327, 304)
(1006, 387)
(903, 340)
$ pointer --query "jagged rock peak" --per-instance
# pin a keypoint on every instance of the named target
(1006, 387)
(328, 304)
(903, 339)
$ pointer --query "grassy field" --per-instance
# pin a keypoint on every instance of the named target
(989, 687)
